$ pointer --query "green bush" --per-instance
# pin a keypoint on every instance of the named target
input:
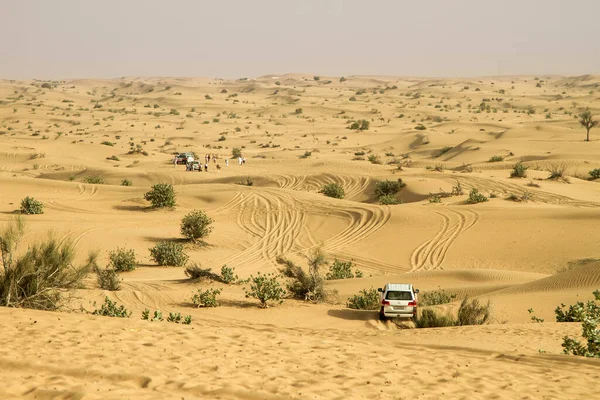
(476, 197)
(577, 312)
(333, 190)
(179, 319)
(122, 259)
(29, 205)
(595, 173)
(110, 309)
(388, 187)
(366, 299)
(265, 288)
(236, 152)
(38, 277)
(389, 200)
(435, 297)
(420, 127)
(228, 275)
(196, 225)
(108, 279)
(206, 298)
(374, 159)
(589, 315)
(519, 170)
(94, 179)
(341, 270)
(169, 253)
(469, 313)
(361, 125)
(126, 182)
(431, 319)
(496, 159)
(306, 286)
(161, 195)
(157, 316)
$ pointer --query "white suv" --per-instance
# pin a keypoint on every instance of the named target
(398, 300)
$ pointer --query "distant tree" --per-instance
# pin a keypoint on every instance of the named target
(586, 119)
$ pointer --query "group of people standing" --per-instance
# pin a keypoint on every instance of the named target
(191, 162)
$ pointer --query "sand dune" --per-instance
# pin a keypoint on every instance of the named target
(293, 132)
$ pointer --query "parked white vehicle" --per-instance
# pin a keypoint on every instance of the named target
(398, 300)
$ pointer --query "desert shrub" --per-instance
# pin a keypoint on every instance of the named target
(179, 319)
(246, 182)
(457, 189)
(473, 312)
(306, 286)
(557, 172)
(431, 319)
(476, 197)
(361, 125)
(126, 182)
(228, 275)
(589, 315)
(265, 288)
(435, 198)
(106, 143)
(366, 299)
(469, 313)
(333, 190)
(195, 271)
(94, 179)
(122, 259)
(206, 298)
(577, 312)
(298, 111)
(161, 195)
(108, 279)
(29, 205)
(420, 127)
(496, 159)
(595, 173)
(236, 152)
(110, 309)
(306, 154)
(374, 159)
(41, 275)
(196, 225)
(169, 253)
(519, 170)
(388, 187)
(389, 200)
(435, 297)
(342, 270)
(157, 316)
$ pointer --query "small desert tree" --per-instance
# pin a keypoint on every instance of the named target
(161, 195)
(586, 119)
(39, 277)
(265, 287)
(169, 253)
(196, 225)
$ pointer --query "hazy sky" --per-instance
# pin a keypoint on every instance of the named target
(56, 39)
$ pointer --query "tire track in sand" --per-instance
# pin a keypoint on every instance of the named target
(431, 254)
(279, 220)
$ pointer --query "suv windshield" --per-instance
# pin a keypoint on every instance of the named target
(398, 296)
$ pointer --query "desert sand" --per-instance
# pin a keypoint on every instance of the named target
(293, 132)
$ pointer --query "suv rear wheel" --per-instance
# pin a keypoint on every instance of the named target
(382, 316)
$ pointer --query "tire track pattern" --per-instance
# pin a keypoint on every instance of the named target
(279, 220)
(431, 254)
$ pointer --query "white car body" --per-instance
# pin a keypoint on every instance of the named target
(398, 300)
